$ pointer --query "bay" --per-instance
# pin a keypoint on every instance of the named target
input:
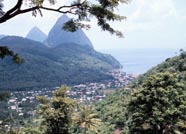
(138, 61)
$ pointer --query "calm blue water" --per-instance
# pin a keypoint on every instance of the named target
(138, 61)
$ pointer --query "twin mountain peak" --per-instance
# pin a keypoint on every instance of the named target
(59, 36)
(60, 58)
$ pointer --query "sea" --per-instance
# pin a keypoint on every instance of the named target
(139, 61)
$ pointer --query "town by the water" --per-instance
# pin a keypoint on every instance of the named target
(24, 103)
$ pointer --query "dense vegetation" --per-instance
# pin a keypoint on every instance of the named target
(153, 104)
(49, 67)
(158, 106)
(60, 115)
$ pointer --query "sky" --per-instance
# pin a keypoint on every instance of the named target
(149, 24)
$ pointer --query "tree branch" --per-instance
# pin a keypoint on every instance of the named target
(9, 14)
(16, 7)
(57, 10)
(103, 11)
(73, 5)
(16, 10)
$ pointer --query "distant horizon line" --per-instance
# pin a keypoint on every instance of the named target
(173, 48)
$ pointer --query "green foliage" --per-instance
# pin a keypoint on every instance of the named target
(71, 26)
(62, 115)
(113, 109)
(103, 15)
(57, 113)
(111, 4)
(158, 106)
(4, 96)
(34, 126)
(105, 128)
(176, 64)
(5, 51)
(86, 119)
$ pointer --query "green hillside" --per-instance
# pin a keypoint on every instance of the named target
(49, 67)
(176, 64)
(157, 97)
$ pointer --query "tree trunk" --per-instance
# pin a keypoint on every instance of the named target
(161, 130)
(85, 129)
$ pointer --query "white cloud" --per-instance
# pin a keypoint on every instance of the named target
(153, 10)
(150, 15)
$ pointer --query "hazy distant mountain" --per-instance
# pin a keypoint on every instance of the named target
(1, 36)
(49, 67)
(36, 34)
(70, 59)
(58, 36)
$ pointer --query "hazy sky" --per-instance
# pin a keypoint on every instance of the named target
(149, 24)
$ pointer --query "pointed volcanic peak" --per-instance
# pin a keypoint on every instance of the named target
(36, 34)
(59, 36)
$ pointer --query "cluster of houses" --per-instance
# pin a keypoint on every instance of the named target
(92, 92)
(25, 102)
(121, 79)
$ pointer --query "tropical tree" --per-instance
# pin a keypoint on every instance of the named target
(159, 106)
(34, 126)
(114, 107)
(57, 113)
(86, 118)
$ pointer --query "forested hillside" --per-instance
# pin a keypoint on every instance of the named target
(153, 104)
(49, 67)
(176, 64)
(62, 57)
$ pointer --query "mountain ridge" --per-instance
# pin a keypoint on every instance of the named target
(70, 61)
(49, 67)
